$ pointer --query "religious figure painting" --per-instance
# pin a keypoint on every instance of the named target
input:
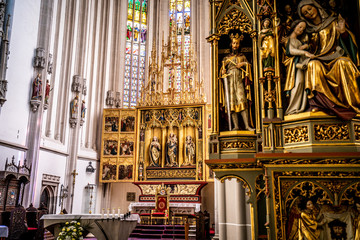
(126, 148)
(310, 220)
(321, 58)
(111, 124)
(110, 147)
(236, 87)
(125, 172)
(128, 124)
(108, 171)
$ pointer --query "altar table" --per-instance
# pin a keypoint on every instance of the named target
(175, 207)
(102, 228)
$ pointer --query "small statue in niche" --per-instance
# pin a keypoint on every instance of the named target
(200, 132)
(74, 105)
(76, 84)
(267, 49)
(235, 93)
(37, 88)
(190, 151)
(141, 171)
(83, 109)
(200, 170)
(171, 151)
(50, 64)
(155, 152)
(47, 92)
(142, 135)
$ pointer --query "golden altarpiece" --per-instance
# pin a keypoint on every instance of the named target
(161, 143)
(171, 125)
(292, 134)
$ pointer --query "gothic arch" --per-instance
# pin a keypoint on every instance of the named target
(239, 179)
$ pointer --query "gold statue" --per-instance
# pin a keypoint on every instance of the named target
(295, 78)
(155, 152)
(267, 49)
(331, 76)
(190, 151)
(235, 92)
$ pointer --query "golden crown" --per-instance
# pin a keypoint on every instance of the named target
(236, 36)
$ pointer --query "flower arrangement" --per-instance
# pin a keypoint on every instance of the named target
(71, 231)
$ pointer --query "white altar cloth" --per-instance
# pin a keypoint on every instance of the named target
(195, 206)
(102, 228)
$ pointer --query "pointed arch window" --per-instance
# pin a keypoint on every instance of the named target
(180, 16)
(136, 29)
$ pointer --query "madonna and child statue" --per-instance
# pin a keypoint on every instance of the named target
(322, 63)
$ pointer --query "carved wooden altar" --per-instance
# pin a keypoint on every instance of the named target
(14, 177)
(291, 157)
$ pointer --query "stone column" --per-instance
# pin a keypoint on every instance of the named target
(222, 211)
(35, 123)
(216, 208)
(242, 211)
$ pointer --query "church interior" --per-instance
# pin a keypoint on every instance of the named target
(180, 119)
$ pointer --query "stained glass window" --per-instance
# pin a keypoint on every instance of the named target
(180, 18)
(136, 28)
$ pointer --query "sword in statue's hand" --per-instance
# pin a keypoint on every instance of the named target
(227, 95)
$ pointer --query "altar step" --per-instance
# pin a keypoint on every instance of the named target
(48, 235)
(158, 232)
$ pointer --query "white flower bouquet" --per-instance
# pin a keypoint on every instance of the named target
(71, 231)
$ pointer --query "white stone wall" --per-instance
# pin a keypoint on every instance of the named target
(85, 38)
(14, 115)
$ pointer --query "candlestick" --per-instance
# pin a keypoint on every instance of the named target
(119, 212)
(113, 213)
(108, 213)
(102, 213)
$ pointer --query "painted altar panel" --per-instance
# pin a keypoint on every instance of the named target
(329, 199)
(117, 145)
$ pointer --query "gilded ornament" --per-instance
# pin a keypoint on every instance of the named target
(171, 173)
(237, 145)
(270, 96)
(235, 19)
(331, 132)
(296, 135)
(357, 132)
(260, 186)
